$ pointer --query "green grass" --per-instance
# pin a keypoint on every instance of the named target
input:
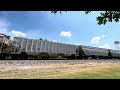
(111, 73)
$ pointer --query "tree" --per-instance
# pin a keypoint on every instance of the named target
(40, 39)
(45, 40)
(106, 16)
(117, 44)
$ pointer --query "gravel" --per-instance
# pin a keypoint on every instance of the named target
(46, 62)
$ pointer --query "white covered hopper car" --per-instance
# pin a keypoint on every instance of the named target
(46, 49)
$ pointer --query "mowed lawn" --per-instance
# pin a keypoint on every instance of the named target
(110, 73)
(62, 71)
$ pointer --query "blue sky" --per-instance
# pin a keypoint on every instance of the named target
(73, 27)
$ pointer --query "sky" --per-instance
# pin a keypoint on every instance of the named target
(72, 27)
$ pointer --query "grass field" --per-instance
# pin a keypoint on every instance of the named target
(86, 70)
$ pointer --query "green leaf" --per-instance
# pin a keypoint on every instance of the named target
(54, 12)
(110, 19)
(86, 12)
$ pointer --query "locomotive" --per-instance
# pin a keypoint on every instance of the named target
(25, 48)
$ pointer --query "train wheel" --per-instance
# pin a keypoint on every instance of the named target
(73, 56)
(100, 57)
(8, 57)
(93, 57)
(60, 56)
(89, 58)
(43, 56)
(24, 55)
(14, 57)
(80, 57)
(2, 56)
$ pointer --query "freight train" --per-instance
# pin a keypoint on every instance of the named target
(25, 48)
(85, 52)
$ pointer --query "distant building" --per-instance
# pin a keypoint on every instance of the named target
(4, 39)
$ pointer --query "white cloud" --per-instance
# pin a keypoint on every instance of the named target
(66, 34)
(95, 40)
(3, 24)
(54, 41)
(12, 33)
(107, 46)
(77, 44)
(18, 33)
(118, 45)
(102, 36)
(42, 11)
(4, 29)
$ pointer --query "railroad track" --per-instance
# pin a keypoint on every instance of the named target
(41, 62)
